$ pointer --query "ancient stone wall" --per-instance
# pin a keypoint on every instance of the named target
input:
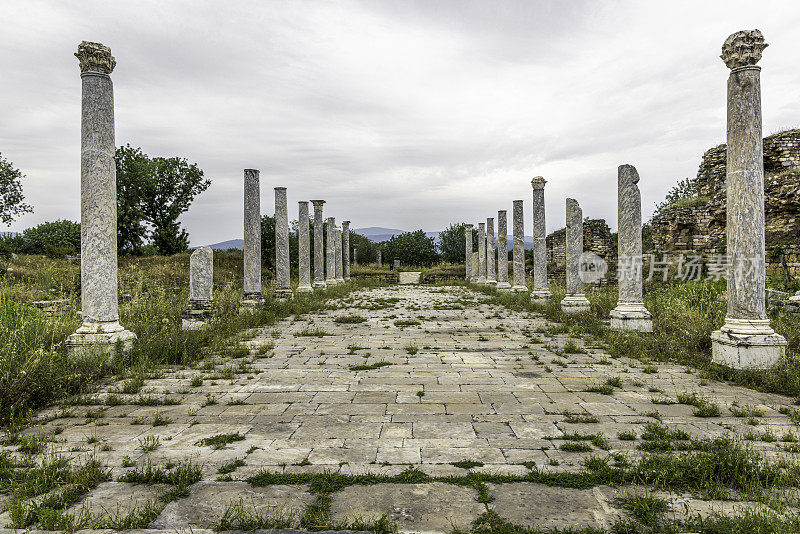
(596, 238)
(697, 225)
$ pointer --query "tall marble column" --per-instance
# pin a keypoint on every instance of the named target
(746, 340)
(346, 250)
(379, 259)
(100, 327)
(475, 267)
(304, 249)
(252, 236)
(490, 253)
(339, 256)
(283, 288)
(201, 284)
(519, 248)
(502, 251)
(630, 313)
(481, 253)
(540, 291)
(575, 301)
(468, 252)
(330, 253)
(319, 245)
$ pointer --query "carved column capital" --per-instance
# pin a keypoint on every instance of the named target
(743, 49)
(95, 57)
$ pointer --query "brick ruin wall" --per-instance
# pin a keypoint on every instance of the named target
(697, 226)
(596, 238)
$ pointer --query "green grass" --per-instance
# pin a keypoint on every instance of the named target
(369, 367)
(350, 319)
(220, 441)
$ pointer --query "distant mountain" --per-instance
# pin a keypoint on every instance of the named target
(231, 243)
(373, 233)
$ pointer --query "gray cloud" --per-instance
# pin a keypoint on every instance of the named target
(400, 114)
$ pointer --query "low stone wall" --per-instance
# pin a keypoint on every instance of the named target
(596, 238)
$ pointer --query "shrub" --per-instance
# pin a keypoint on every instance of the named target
(54, 239)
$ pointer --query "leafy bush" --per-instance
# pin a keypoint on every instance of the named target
(54, 239)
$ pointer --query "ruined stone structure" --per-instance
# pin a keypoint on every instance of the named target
(596, 238)
(697, 225)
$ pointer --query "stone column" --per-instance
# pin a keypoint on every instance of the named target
(355, 256)
(330, 253)
(319, 245)
(304, 249)
(346, 250)
(630, 313)
(339, 256)
(481, 254)
(100, 326)
(201, 283)
(380, 258)
(519, 248)
(252, 236)
(502, 251)
(746, 340)
(468, 251)
(490, 256)
(540, 291)
(283, 288)
(475, 267)
(575, 301)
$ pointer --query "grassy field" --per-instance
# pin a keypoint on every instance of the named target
(34, 368)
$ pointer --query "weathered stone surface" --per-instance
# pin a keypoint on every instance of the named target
(304, 249)
(346, 250)
(100, 315)
(545, 507)
(281, 243)
(117, 499)
(468, 252)
(502, 251)
(379, 260)
(481, 253)
(574, 301)
(207, 502)
(540, 290)
(491, 260)
(339, 255)
(201, 274)
(330, 253)
(409, 277)
(519, 248)
(747, 339)
(630, 312)
(252, 234)
(434, 507)
(475, 267)
(319, 247)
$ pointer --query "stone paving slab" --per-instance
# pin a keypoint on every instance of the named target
(434, 507)
(470, 382)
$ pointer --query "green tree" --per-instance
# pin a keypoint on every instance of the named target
(54, 238)
(133, 168)
(268, 242)
(367, 250)
(155, 190)
(686, 188)
(11, 197)
(411, 248)
(452, 243)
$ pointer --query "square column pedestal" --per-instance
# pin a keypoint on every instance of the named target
(576, 303)
(631, 316)
(747, 345)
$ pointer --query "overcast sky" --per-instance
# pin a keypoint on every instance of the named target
(400, 114)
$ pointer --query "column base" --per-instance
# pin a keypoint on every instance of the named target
(503, 286)
(747, 345)
(331, 282)
(283, 295)
(480, 280)
(541, 295)
(576, 303)
(519, 289)
(491, 282)
(250, 302)
(340, 280)
(319, 284)
(631, 316)
(196, 314)
(305, 289)
(104, 337)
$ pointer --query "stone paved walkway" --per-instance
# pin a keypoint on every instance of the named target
(433, 377)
